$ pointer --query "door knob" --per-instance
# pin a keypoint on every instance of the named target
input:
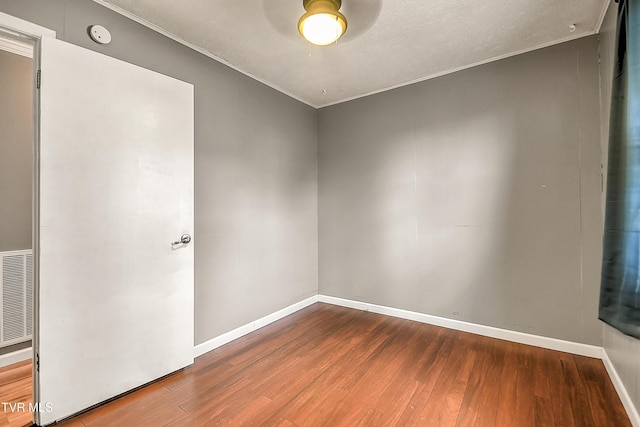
(184, 240)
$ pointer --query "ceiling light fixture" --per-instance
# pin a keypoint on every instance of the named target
(322, 24)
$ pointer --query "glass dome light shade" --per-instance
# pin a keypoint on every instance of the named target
(322, 24)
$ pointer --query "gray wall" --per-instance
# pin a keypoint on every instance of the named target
(256, 170)
(623, 350)
(474, 196)
(16, 151)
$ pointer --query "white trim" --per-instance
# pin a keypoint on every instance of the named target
(200, 349)
(173, 37)
(15, 357)
(603, 13)
(16, 46)
(198, 49)
(227, 337)
(489, 331)
(17, 252)
(632, 412)
(24, 28)
(462, 68)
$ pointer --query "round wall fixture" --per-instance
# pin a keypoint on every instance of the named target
(99, 34)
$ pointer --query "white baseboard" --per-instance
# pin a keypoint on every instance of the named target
(489, 331)
(632, 412)
(15, 357)
(221, 340)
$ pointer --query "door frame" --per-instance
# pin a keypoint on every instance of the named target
(24, 48)
(31, 34)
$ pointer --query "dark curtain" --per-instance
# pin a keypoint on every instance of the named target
(620, 285)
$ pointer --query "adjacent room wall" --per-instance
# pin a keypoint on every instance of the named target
(474, 196)
(256, 170)
(16, 151)
(623, 350)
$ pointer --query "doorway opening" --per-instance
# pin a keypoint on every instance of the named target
(135, 322)
(16, 228)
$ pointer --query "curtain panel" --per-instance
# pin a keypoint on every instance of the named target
(620, 284)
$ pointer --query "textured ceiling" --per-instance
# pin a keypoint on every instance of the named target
(388, 43)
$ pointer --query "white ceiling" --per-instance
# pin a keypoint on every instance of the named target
(388, 43)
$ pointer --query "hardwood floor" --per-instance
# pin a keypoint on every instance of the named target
(15, 395)
(333, 366)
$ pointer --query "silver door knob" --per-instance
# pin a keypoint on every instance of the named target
(184, 240)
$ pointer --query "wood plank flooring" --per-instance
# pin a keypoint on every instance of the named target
(15, 389)
(333, 366)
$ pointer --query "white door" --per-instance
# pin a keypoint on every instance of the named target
(114, 295)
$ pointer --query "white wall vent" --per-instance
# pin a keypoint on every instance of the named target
(16, 297)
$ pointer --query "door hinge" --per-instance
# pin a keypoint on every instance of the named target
(38, 80)
(37, 362)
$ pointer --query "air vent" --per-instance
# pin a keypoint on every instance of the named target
(16, 293)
